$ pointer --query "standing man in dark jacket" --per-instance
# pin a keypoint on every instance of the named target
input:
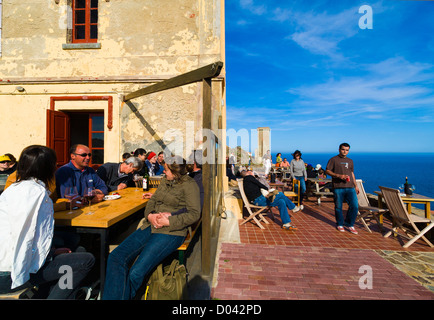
(118, 176)
(341, 169)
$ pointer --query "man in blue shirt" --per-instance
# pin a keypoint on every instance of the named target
(78, 173)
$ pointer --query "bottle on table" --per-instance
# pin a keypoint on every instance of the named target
(146, 182)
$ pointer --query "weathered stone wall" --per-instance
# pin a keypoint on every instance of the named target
(141, 42)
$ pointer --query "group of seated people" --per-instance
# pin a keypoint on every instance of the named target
(154, 162)
(31, 248)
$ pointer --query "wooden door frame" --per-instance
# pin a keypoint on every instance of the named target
(88, 98)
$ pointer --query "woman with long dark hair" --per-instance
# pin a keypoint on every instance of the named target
(160, 233)
(298, 171)
(26, 231)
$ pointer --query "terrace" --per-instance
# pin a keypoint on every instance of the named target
(318, 262)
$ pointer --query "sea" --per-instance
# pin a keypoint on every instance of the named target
(383, 169)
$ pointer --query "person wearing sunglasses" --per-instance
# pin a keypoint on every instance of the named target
(78, 173)
(4, 164)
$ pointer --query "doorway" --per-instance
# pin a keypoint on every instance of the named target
(66, 128)
(88, 128)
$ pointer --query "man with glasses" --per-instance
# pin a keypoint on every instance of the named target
(78, 173)
(341, 169)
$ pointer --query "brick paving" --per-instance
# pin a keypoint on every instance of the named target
(317, 262)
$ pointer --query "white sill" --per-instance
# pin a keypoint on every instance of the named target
(75, 46)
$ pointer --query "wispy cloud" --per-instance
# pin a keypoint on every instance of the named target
(385, 87)
(251, 7)
(321, 33)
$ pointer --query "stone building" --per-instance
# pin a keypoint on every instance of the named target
(78, 58)
(67, 68)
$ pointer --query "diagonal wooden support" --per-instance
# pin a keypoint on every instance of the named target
(209, 71)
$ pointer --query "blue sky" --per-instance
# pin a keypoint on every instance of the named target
(310, 73)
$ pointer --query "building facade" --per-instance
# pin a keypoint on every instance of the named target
(66, 65)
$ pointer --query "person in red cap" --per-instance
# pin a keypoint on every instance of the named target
(150, 161)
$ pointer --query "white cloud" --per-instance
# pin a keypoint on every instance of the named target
(388, 86)
(255, 9)
(321, 33)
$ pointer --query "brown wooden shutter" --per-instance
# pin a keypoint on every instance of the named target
(58, 135)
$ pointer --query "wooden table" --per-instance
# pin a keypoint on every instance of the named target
(319, 192)
(278, 185)
(106, 214)
(414, 198)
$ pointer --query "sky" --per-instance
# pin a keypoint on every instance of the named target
(319, 73)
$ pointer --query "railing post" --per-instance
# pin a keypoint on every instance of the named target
(207, 181)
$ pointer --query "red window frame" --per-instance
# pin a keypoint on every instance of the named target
(91, 131)
(87, 24)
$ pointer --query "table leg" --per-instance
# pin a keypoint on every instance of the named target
(380, 206)
(103, 256)
(428, 210)
(103, 251)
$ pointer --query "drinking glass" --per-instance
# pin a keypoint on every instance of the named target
(401, 187)
(89, 194)
(412, 187)
(136, 179)
(70, 194)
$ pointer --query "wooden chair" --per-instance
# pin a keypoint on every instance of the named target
(253, 210)
(293, 194)
(404, 221)
(366, 211)
(154, 182)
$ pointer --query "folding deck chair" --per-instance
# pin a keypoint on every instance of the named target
(253, 210)
(404, 221)
(366, 211)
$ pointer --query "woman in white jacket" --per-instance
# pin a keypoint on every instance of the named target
(26, 231)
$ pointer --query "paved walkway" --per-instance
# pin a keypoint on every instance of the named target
(318, 262)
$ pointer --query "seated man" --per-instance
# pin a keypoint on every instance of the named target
(252, 189)
(78, 173)
(118, 176)
(285, 163)
(141, 154)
